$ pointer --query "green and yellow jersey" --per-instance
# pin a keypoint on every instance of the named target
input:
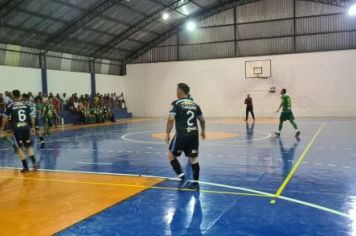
(48, 110)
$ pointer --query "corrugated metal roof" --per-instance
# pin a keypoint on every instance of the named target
(113, 29)
(35, 23)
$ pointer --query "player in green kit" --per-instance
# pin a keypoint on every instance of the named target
(286, 114)
(47, 114)
(34, 112)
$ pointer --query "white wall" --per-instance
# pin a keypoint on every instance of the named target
(68, 82)
(320, 84)
(24, 79)
(29, 80)
(110, 84)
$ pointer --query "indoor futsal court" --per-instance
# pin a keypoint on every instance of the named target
(178, 117)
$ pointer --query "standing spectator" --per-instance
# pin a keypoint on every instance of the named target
(2, 107)
(64, 101)
(57, 107)
(38, 97)
(7, 98)
(70, 103)
(249, 107)
(76, 104)
(44, 97)
(64, 98)
(2, 102)
(122, 102)
(31, 97)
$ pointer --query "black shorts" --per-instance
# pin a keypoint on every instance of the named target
(187, 144)
(22, 136)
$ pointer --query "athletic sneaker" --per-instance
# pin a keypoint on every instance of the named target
(297, 134)
(183, 184)
(35, 166)
(194, 186)
(278, 134)
(25, 170)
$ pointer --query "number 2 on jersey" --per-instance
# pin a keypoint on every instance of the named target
(191, 117)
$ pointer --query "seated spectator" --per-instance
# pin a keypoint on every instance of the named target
(84, 109)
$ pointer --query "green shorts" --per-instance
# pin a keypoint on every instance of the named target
(286, 115)
(47, 120)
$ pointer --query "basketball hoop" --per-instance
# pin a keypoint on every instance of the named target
(258, 76)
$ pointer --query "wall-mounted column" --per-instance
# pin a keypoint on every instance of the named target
(43, 66)
(92, 77)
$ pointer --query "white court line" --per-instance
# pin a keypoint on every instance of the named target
(125, 137)
(93, 163)
(312, 205)
(269, 135)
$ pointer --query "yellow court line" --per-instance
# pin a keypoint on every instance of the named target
(132, 185)
(254, 193)
(295, 167)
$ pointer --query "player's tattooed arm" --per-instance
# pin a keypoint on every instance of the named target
(170, 124)
(202, 126)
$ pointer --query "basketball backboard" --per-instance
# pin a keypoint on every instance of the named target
(258, 69)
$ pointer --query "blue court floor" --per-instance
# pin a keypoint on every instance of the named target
(240, 176)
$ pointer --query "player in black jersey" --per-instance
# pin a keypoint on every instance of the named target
(22, 123)
(185, 113)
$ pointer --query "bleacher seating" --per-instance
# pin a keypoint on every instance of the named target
(119, 113)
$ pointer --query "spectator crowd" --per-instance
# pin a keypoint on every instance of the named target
(85, 109)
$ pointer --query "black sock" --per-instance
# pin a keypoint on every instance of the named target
(42, 139)
(24, 163)
(196, 171)
(177, 168)
(33, 159)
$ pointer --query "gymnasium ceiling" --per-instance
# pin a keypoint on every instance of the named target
(118, 30)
